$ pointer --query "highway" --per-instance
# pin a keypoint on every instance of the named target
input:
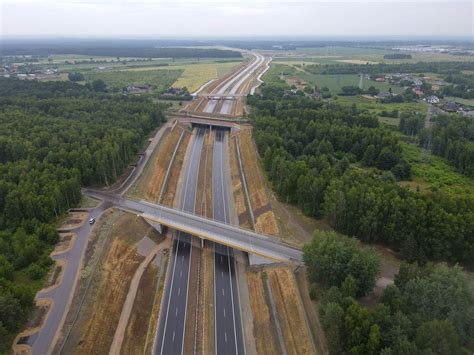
(228, 333)
(232, 85)
(170, 335)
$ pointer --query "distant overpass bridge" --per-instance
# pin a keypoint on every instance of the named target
(235, 237)
(227, 96)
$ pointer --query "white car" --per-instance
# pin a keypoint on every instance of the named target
(91, 220)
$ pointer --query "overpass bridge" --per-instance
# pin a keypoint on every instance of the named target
(232, 236)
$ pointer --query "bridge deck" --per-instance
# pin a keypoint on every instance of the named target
(219, 232)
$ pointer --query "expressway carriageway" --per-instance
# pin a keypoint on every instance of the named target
(232, 86)
(228, 335)
(219, 232)
(171, 330)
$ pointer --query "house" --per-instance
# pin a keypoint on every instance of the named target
(316, 95)
(432, 99)
(468, 113)
(379, 79)
(451, 106)
(383, 94)
(417, 82)
(418, 92)
(139, 89)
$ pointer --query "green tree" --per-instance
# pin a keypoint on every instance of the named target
(332, 258)
(99, 85)
(438, 337)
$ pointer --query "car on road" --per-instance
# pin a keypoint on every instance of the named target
(91, 221)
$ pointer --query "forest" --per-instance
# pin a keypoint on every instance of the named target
(338, 163)
(428, 310)
(55, 138)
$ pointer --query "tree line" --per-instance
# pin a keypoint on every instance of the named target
(123, 51)
(337, 162)
(55, 138)
(384, 68)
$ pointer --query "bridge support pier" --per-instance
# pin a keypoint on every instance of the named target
(158, 227)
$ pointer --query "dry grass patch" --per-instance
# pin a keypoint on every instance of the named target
(150, 184)
(94, 331)
(255, 182)
(170, 191)
(290, 311)
(266, 224)
(237, 187)
(265, 337)
(136, 332)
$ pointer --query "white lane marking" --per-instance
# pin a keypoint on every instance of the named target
(169, 296)
(181, 273)
(176, 313)
(225, 336)
(224, 312)
(173, 336)
(232, 298)
(179, 291)
(222, 292)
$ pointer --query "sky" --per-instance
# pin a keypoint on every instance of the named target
(235, 18)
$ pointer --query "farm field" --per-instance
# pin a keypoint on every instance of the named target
(160, 79)
(195, 75)
(336, 54)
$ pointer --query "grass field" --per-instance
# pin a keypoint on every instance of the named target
(469, 102)
(435, 172)
(334, 55)
(377, 107)
(160, 79)
(333, 81)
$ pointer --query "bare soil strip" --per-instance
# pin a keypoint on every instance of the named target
(311, 309)
(237, 186)
(100, 313)
(130, 299)
(170, 191)
(290, 311)
(264, 331)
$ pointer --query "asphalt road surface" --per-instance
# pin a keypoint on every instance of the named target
(170, 335)
(239, 238)
(228, 331)
(42, 340)
(233, 84)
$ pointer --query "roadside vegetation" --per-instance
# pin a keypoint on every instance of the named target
(55, 138)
